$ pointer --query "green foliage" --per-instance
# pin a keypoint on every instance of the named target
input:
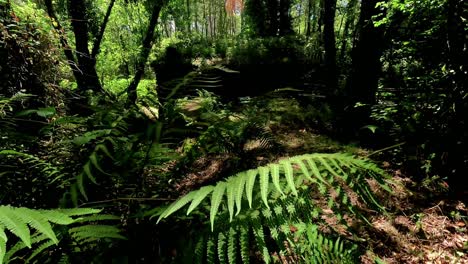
(271, 51)
(122, 38)
(279, 195)
(52, 172)
(119, 86)
(22, 221)
(31, 51)
(325, 171)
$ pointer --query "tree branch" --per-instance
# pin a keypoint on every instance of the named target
(98, 39)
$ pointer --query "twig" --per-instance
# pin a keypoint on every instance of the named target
(385, 149)
(127, 199)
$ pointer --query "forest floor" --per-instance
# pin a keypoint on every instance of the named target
(423, 224)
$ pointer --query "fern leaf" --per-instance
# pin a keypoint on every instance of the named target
(222, 248)
(216, 199)
(80, 185)
(264, 183)
(199, 250)
(303, 168)
(260, 238)
(239, 191)
(232, 246)
(89, 173)
(315, 170)
(20, 245)
(12, 221)
(210, 250)
(275, 176)
(36, 220)
(3, 240)
(199, 196)
(288, 173)
(325, 164)
(244, 244)
(94, 160)
(79, 211)
(177, 205)
(249, 185)
(231, 187)
(104, 149)
(81, 233)
(40, 249)
(98, 217)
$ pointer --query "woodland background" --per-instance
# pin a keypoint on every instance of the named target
(295, 131)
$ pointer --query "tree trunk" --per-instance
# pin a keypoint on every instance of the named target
(189, 17)
(308, 30)
(255, 18)
(63, 40)
(87, 77)
(455, 143)
(361, 86)
(330, 44)
(196, 17)
(144, 53)
(285, 27)
(273, 19)
(366, 67)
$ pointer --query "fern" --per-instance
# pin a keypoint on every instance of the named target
(265, 202)
(52, 172)
(311, 169)
(253, 230)
(35, 228)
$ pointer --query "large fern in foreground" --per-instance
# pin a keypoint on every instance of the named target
(272, 198)
(34, 228)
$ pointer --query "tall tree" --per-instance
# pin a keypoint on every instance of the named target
(268, 18)
(310, 11)
(87, 75)
(272, 17)
(83, 62)
(144, 53)
(330, 43)
(362, 84)
(456, 138)
(285, 24)
(254, 17)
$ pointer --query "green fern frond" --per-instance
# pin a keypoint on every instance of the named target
(222, 245)
(232, 246)
(20, 245)
(34, 228)
(39, 249)
(3, 241)
(244, 244)
(211, 250)
(294, 238)
(322, 170)
(10, 219)
(281, 198)
(88, 232)
(96, 218)
(325, 250)
(92, 163)
(52, 172)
